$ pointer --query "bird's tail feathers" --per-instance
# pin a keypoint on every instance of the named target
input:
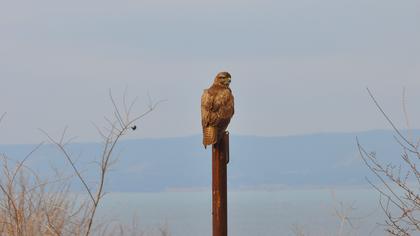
(209, 136)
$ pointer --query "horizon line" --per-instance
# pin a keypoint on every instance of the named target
(235, 135)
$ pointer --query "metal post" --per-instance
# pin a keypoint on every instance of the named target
(220, 159)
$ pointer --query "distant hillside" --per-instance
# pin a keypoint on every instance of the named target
(328, 159)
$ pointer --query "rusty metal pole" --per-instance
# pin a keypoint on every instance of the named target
(220, 159)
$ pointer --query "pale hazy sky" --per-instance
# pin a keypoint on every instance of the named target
(298, 66)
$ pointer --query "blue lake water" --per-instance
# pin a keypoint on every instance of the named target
(250, 213)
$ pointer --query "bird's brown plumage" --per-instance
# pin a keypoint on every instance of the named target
(217, 108)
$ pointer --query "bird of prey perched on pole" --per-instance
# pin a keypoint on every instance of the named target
(217, 108)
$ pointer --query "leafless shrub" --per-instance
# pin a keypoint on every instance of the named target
(298, 230)
(27, 208)
(117, 126)
(399, 182)
(343, 213)
(164, 230)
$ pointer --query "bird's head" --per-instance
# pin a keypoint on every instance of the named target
(223, 79)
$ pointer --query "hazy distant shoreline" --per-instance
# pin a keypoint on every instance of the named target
(315, 161)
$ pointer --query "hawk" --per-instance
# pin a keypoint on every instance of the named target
(217, 109)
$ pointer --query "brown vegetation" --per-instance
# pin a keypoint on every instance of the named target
(31, 206)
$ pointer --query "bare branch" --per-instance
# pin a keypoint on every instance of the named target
(2, 116)
(68, 157)
(389, 120)
(404, 217)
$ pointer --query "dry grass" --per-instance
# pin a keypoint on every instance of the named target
(30, 206)
(26, 208)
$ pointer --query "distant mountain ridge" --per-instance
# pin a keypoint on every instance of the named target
(180, 164)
